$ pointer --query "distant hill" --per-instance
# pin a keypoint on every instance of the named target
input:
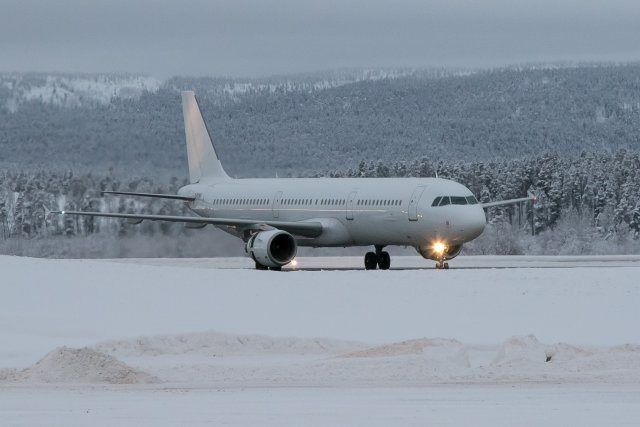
(295, 125)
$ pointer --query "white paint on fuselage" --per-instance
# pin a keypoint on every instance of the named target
(353, 211)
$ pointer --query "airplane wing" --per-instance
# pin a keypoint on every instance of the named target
(300, 228)
(160, 196)
(509, 202)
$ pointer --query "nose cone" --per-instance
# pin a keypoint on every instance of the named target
(475, 222)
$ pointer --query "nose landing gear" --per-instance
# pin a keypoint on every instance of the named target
(441, 265)
(378, 259)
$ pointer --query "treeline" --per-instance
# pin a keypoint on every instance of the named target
(587, 204)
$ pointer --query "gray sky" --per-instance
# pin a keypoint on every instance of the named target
(262, 37)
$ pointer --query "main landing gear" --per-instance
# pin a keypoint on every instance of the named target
(264, 267)
(377, 259)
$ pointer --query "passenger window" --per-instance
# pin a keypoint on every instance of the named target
(457, 200)
(444, 201)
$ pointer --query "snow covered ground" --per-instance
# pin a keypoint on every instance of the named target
(493, 341)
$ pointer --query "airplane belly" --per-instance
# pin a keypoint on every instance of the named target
(334, 233)
(386, 229)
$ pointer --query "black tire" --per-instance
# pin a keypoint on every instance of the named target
(370, 261)
(446, 265)
(261, 267)
(275, 268)
(384, 262)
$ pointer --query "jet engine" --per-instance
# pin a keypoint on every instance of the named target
(273, 248)
(432, 252)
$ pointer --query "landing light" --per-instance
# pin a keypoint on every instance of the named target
(439, 248)
(294, 263)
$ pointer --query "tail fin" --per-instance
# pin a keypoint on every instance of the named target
(203, 160)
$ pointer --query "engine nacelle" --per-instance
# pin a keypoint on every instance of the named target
(273, 248)
(450, 252)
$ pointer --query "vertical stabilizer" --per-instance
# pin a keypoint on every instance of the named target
(203, 160)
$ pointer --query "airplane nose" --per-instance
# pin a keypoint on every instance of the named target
(476, 222)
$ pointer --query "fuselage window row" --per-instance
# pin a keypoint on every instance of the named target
(257, 202)
(439, 201)
(377, 202)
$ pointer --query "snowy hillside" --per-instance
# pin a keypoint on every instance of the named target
(327, 121)
(70, 90)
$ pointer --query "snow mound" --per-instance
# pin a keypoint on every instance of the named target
(446, 350)
(8, 374)
(522, 350)
(218, 344)
(563, 352)
(82, 365)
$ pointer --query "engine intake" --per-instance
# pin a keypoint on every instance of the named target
(273, 248)
(450, 252)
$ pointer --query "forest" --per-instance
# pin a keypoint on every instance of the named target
(570, 135)
(588, 204)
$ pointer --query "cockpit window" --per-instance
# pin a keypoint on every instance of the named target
(454, 200)
(444, 201)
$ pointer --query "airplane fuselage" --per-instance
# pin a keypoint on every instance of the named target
(353, 211)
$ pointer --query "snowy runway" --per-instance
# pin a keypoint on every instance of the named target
(497, 337)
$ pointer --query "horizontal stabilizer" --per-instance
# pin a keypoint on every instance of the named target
(159, 196)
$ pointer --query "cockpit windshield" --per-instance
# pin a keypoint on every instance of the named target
(454, 200)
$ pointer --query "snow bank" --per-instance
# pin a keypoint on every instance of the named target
(449, 351)
(213, 343)
(78, 365)
(522, 350)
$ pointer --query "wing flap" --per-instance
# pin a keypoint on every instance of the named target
(300, 228)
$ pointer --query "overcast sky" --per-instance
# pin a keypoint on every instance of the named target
(263, 37)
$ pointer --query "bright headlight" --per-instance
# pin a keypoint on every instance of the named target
(439, 248)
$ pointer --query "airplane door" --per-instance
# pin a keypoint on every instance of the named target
(413, 202)
(351, 200)
(275, 208)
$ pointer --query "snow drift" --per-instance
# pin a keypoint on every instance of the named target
(78, 365)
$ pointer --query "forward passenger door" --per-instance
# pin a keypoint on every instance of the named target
(413, 202)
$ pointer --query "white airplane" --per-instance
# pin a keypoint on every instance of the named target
(275, 216)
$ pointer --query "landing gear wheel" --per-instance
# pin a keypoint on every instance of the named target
(370, 261)
(275, 268)
(261, 267)
(442, 265)
(384, 261)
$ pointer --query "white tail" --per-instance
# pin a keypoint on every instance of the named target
(203, 160)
